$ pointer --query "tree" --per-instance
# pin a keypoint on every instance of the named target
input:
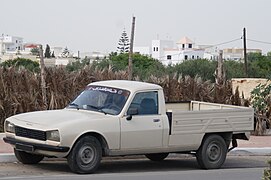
(234, 69)
(143, 66)
(53, 54)
(21, 62)
(78, 65)
(47, 53)
(259, 65)
(65, 52)
(201, 67)
(124, 44)
(253, 56)
(261, 101)
(35, 51)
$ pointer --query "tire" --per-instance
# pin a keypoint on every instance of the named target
(212, 152)
(157, 157)
(85, 156)
(28, 158)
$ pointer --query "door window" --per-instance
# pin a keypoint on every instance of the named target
(145, 103)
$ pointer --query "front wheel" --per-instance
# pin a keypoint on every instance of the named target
(212, 152)
(86, 155)
(157, 157)
(28, 158)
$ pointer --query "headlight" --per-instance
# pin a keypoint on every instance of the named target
(9, 127)
(53, 135)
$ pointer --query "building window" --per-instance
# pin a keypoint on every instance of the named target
(193, 57)
(16, 41)
(185, 57)
(183, 46)
(189, 45)
(155, 48)
(169, 57)
(197, 57)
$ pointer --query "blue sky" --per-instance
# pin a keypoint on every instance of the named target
(88, 25)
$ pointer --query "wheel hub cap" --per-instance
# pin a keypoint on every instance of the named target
(86, 155)
(214, 152)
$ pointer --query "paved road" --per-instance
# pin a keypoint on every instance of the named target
(228, 174)
(235, 167)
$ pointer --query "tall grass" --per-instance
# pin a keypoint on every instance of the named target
(20, 90)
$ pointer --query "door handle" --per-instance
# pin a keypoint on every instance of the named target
(156, 120)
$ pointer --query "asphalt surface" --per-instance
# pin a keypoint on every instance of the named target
(240, 174)
(177, 167)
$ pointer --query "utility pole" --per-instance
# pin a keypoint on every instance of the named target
(1, 47)
(130, 65)
(42, 76)
(245, 51)
(220, 71)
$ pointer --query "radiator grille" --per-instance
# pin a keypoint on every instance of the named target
(30, 133)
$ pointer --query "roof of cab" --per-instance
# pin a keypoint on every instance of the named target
(128, 85)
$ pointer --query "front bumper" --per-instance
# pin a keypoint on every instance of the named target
(31, 147)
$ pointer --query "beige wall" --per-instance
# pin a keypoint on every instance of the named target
(14, 56)
(246, 85)
(48, 62)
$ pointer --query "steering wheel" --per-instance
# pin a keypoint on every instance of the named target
(114, 107)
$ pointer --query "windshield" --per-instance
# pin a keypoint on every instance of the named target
(102, 99)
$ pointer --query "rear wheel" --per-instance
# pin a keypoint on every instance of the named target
(157, 157)
(212, 152)
(28, 158)
(85, 156)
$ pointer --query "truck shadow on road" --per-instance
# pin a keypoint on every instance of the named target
(127, 165)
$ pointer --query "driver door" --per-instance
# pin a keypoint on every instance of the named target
(145, 129)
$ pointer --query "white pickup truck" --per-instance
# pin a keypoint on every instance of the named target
(118, 117)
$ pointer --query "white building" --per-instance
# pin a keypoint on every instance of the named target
(158, 48)
(10, 43)
(93, 55)
(237, 53)
(168, 54)
(29, 46)
(57, 51)
(143, 50)
(210, 52)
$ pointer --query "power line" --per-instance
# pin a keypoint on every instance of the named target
(227, 42)
(263, 42)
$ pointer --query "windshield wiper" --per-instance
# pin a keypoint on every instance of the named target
(97, 108)
(101, 110)
(75, 105)
(93, 107)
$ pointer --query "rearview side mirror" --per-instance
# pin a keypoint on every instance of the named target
(131, 111)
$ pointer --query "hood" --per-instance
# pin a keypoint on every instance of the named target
(51, 118)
